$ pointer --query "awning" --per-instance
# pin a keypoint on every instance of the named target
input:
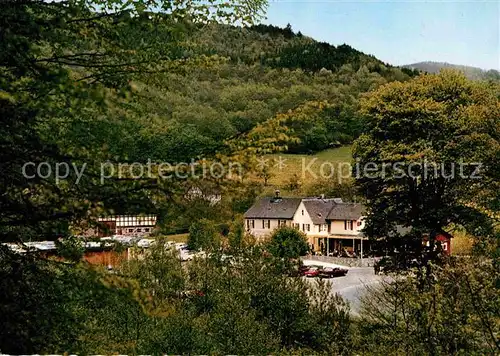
(347, 237)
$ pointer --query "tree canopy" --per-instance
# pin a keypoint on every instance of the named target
(429, 160)
(287, 242)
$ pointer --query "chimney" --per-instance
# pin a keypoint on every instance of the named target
(277, 197)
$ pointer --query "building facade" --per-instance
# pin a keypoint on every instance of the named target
(128, 225)
(269, 213)
(331, 225)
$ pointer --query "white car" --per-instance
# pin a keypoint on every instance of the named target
(126, 240)
(145, 243)
(92, 244)
(186, 255)
(181, 246)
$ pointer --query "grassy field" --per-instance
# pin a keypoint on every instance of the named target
(462, 243)
(175, 238)
(308, 169)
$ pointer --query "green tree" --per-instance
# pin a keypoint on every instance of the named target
(456, 314)
(204, 234)
(297, 316)
(287, 242)
(265, 173)
(426, 138)
(65, 70)
(70, 248)
(237, 238)
(293, 183)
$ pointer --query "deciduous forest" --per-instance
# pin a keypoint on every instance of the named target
(87, 82)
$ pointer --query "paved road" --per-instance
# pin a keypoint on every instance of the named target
(353, 285)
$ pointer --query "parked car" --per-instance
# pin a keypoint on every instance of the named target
(387, 265)
(312, 271)
(331, 272)
(186, 255)
(145, 243)
(303, 269)
(298, 270)
(181, 246)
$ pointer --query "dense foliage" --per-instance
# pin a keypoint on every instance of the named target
(85, 82)
(428, 161)
(241, 302)
(156, 305)
(456, 313)
(179, 115)
(287, 242)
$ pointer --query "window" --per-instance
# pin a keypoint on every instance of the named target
(252, 224)
(263, 224)
(146, 229)
(348, 225)
(281, 222)
(302, 212)
(325, 227)
(320, 228)
(297, 226)
(308, 227)
(130, 230)
(268, 224)
(359, 223)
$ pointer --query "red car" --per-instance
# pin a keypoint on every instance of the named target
(298, 270)
(329, 272)
(312, 271)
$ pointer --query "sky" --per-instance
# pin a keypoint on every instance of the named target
(400, 32)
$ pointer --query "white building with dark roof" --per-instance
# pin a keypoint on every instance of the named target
(269, 213)
(329, 223)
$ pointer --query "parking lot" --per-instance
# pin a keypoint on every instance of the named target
(353, 285)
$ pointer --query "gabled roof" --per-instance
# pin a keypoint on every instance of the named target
(318, 208)
(346, 211)
(273, 208)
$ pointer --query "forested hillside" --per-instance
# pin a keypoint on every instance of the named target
(81, 90)
(250, 75)
(162, 88)
(473, 73)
